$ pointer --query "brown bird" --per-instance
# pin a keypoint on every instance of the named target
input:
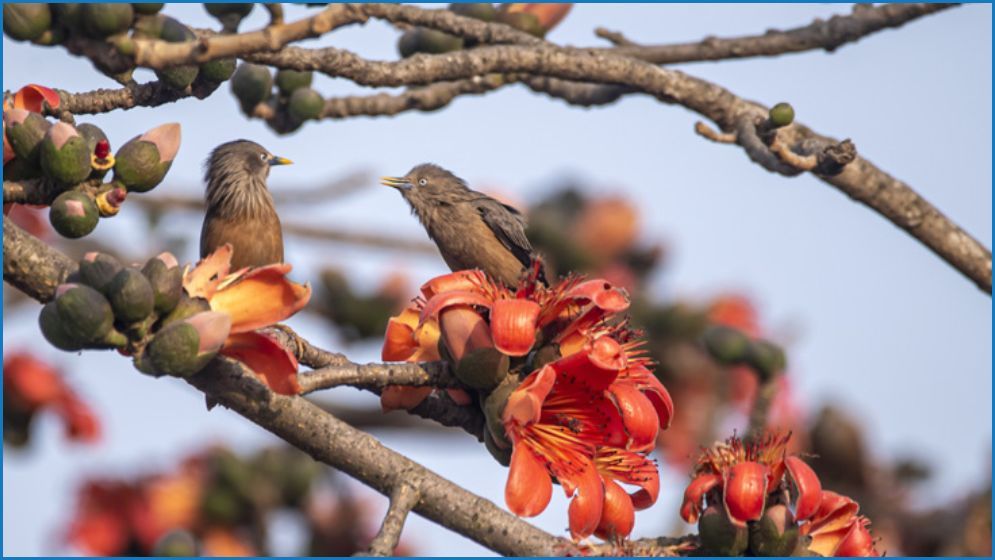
(471, 229)
(240, 208)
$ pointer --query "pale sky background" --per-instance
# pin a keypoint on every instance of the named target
(881, 326)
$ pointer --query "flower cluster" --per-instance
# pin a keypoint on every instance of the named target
(31, 386)
(755, 496)
(566, 390)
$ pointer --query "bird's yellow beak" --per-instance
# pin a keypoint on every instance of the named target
(277, 160)
(395, 182)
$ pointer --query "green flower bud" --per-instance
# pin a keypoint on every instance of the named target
(25, 132)
(85, 314)
(775, 534)
(166, 279)
(150, 27)
(522, 21)
(251, 84)
(483, 368)
(782, 114)
(720, 536)
(185, 308)
(219, 70)
(25, 22)
(305, 104)
(422, 40)
(131, 296)
(65, 154)
(727, 345)
(51, 329)
(50, 37)
(104, 20)
(143, 161)
(147, 9)
(494, 409)
(73, 214)
(93, 134)
(766, 358)
(230, 15)
(289, 81)
(542, 356)
(97, 270)
(185, 347)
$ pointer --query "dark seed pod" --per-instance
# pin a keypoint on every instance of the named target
(177, 77)
(73, 214)
(720, 536)
(85, 314)
(26, 22)
(219, 70)
(97, 270)
(104, 20)
(67, 16)
(131, 296)
(481, 11)
(51, 329)
(147, 9)
(230, 15)
(422, 40)
(166, 279)
(782, 114)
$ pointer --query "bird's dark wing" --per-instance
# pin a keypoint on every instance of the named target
(508, 226)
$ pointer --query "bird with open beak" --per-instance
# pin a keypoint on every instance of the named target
(240, 209)
(471, 229)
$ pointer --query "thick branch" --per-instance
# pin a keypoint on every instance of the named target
(820, 34)
(375, 377)
(32, 266)
(402, 500)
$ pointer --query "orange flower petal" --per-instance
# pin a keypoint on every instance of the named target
(31, 96)
(513, 324)
(835, 512)
(81, 423)
(203, 279)
(695, 493)
(261, 297)
(745, 488)
(459, 281)
(858, 541)
(596, 366)
(32, 381)
(438, 303)
(272, 363)
(588, 502)
(459, 396)
(463, 330)
(808, 486)
(525, 402)
(396, 397)
(828, 542)
(399, 342)
(8, 151)
(617, 515)
(638, 416)
(529, 487)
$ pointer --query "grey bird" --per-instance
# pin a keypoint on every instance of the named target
(471, 229)
(240, 208)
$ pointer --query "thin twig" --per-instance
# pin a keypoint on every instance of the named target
(715, 136)
(376, 376)
(402, 500)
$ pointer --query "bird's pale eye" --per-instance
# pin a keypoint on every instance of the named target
(263, 157)
(423, 182)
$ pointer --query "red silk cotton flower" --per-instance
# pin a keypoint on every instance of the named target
(566, 389)
(744, 476)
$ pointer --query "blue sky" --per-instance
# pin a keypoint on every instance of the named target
(878, 324)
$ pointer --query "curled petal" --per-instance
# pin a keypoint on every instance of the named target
(529, 485)
(858, 541)
(525, 402)
(204, 279)
(396, 397)
(826, 543)
(513, 324)
(399, 340)
(745, 489)
(807, 485)
(634, 469)
(459, 281)
(32, 97)
(602, 294)
(835, 512)
(438, 303)
(463, 330)
(271, 361)
(694, 494)
(617, 516)
(587, 503)
(261, 297)
(638, 416)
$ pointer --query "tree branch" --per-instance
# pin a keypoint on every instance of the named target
(402, 500)
(376, 377)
